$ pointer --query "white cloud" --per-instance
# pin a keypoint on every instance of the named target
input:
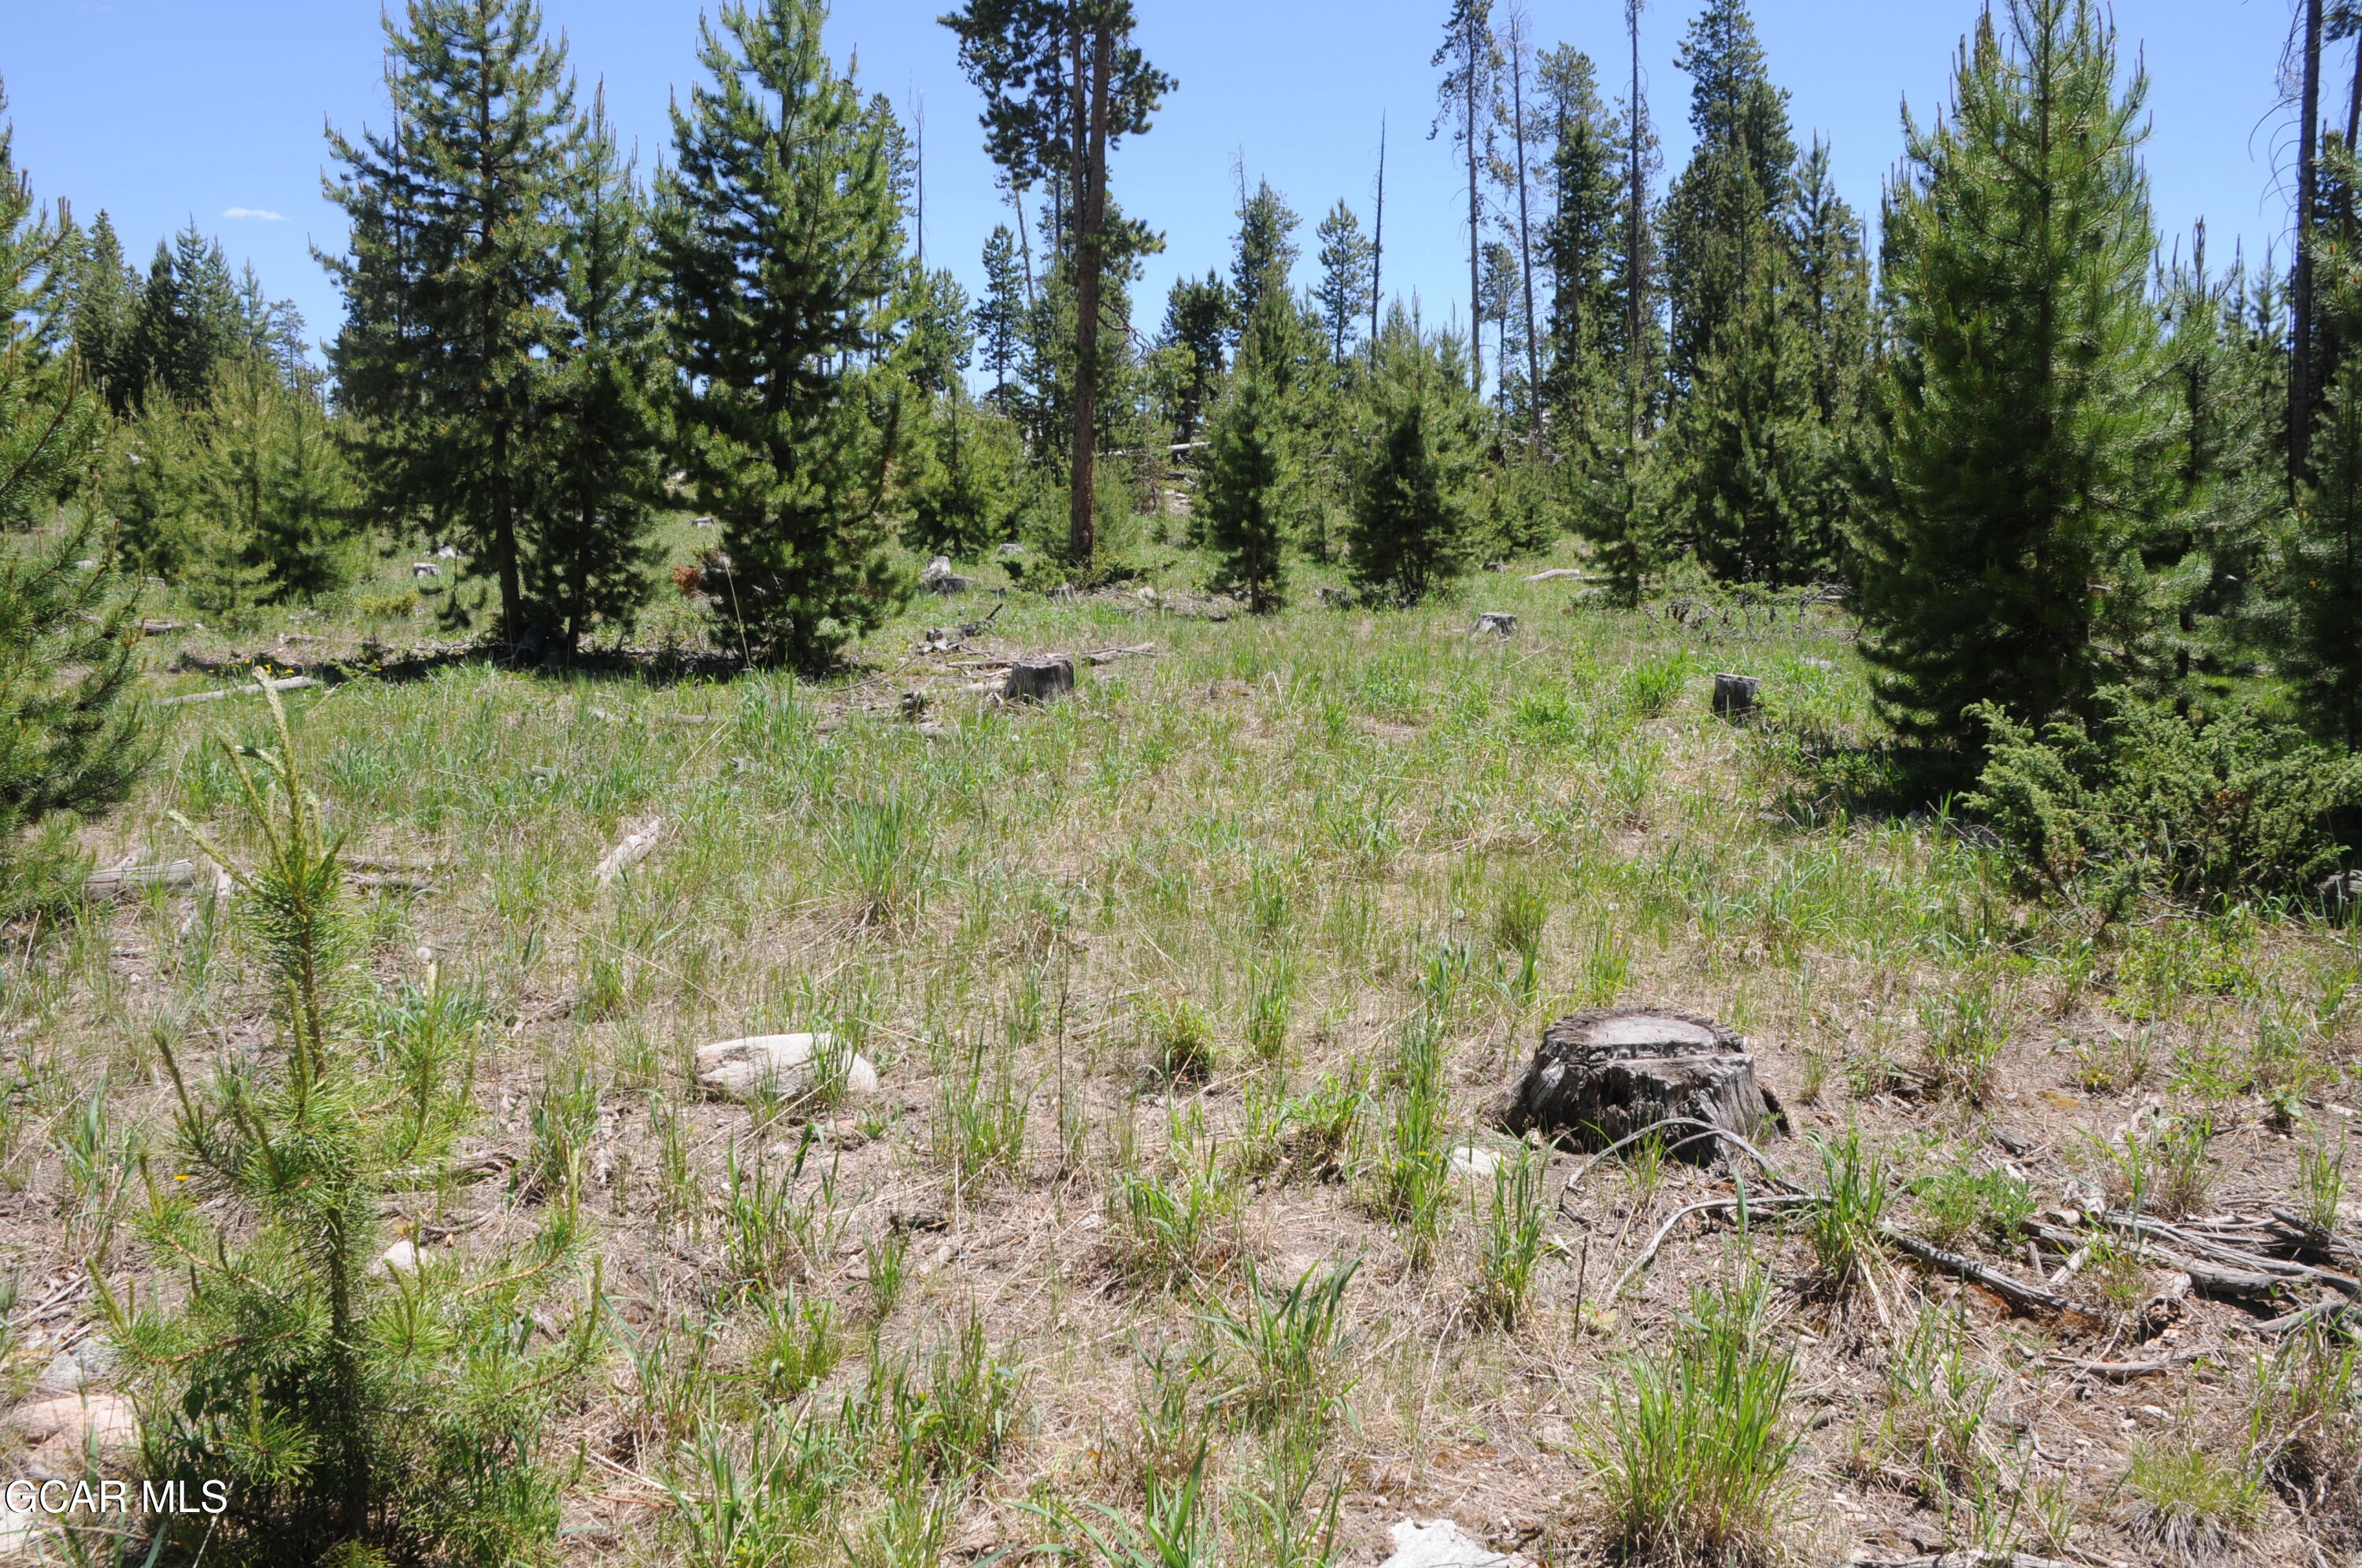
(265, 215)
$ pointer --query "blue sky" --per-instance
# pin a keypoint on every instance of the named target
(159, 110)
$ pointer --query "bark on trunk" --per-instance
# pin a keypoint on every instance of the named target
(1605, 1073)
(2300, 328)
(1082, 533)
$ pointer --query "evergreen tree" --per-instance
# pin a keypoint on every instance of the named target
(1198, 313)
(1064, 83)
(189, 318)
(1421, 451)
(1240, 493)
(1467, 104)
(2320, 573)
(456, 274)
(1263, 256)
(1583, 321)
(1736, 182)
(589, 557)
(69, 731)
(2028, 419)
(782, 241)
(104, 316)
(962, 478)
(1000, 315)
(938, 338)
(1347, 287)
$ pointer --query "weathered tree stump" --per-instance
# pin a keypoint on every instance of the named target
(1607, 1073)
(1039, 679)
(1734, 695)
(1497, 622)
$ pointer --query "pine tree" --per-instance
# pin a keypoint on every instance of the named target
(782, 241)
(70, 733)
(1583, 321)
(1467, 104)
(1064, 83)
(105, 308)
(188, 320)
(1736, 182)
(1262, 255)
(2027, 420)
(1198, 313)
(1421, 451)
(1000, 315)
(1346, 285)
(454, 273)
(2320, 573)
(1241, 493)
(589, 557)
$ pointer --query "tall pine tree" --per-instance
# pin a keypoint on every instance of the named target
(2027, 418)
(589, 557)
(1347, 286)
(1000, 315)
(456, 274)
(782, 240)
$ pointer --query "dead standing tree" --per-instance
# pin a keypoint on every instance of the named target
(1063, 85)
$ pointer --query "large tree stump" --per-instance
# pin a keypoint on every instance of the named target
(1607, 1073)
(1734, 695)
(1039, 679)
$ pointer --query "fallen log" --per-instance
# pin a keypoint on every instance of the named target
(293, 684)
(634, 848)
(2128, 1371)
(2016, 1292)
(116, 880)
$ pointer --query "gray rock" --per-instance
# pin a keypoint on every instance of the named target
(1440, 1544)
(785, 1065)
(425, 569)
(1495, 622)
(2341, 894)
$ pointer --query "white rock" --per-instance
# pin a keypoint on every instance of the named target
(62, 1376)
(22, 1530)
(782, 1064)
(73, 1422)
(938, 568)
(401, 1258)
(1471, 1161)
(1443, 1544)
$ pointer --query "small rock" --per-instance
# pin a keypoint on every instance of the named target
(76, 1421)
(939, 566)
(1010, 552)
(787, 1065)
(1443, 1544)
(1816, 664)
(947, 584)
(1496, 566)
(64, 1374)
(1481, 1164)
(2341, 894)
(401, 1258)
(1496, 622)
(424, 569)
(703, 522)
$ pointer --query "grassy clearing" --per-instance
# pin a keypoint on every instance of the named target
(1187, 994)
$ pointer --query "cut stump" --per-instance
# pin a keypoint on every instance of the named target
(1039, 679)
(1495, 622)
(1605, 1073)
(1734, 695)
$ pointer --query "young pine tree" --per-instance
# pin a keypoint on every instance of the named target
(105, 313)
(1198, 312)
(782, 240)
(2320, 571)
(362, 1406)
(1242, 491)
(67, 633)
(1421, 451)
(1346, 287)
(2027, 420)
(1001, 316)
(188, 320)
(454, 276)
(589, 558)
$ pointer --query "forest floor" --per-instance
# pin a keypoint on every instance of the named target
(1143, 973)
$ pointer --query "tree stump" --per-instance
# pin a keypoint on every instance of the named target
(1499, 623)
(1605, 1073)
(1734, 695)
(1039, 679)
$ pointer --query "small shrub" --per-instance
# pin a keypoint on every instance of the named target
(1956, 1203)
(1519, 925)
(400, 604)
(1178, 1040)
(2201, 805)
(980, 1116)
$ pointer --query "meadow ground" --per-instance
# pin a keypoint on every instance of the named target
(1192, 990)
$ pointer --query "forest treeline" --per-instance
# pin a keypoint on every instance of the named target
(2064, 470)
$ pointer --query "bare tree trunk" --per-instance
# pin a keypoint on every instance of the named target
(1090, 196)
(1024, 244)
(1378, 245)
(1519, 20)
(2307, 158)
(1635, 278)
(1475, 229)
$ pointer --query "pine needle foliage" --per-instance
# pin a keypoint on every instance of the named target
(362, 1411)
(1420, 449)
(1243, 490)
(781, 235)
(70, 733)
(2028, 417)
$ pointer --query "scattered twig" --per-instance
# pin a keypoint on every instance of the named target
(2014, 1291)
(635, 848)
(2126, 1371)
(293, 684)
